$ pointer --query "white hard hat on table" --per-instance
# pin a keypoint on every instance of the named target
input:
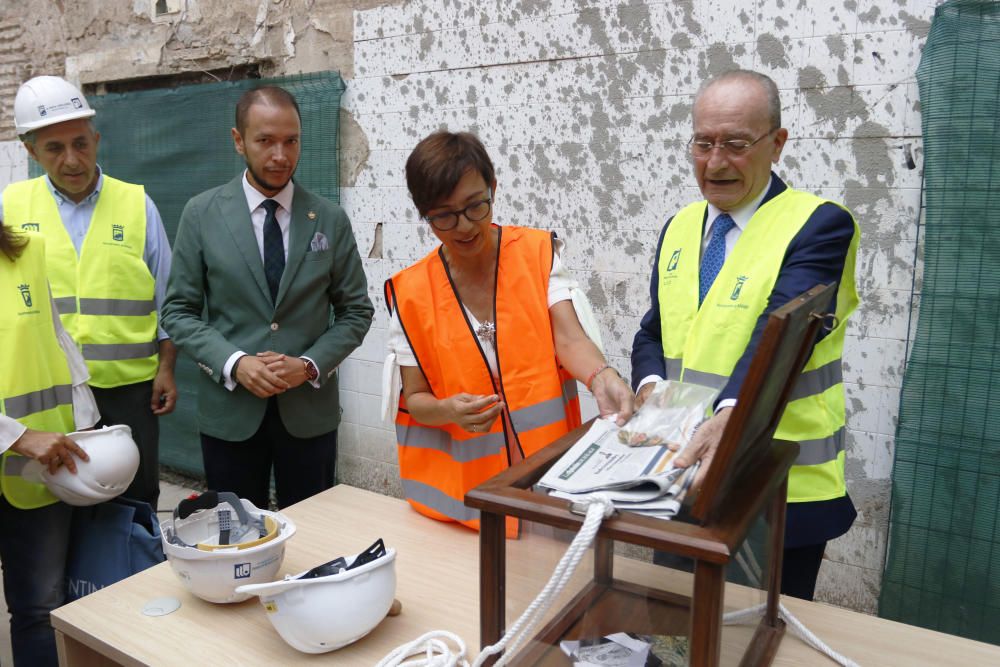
(331, 605)
(47, 100)
(212, 551)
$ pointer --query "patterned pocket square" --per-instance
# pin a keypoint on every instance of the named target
(319, 242)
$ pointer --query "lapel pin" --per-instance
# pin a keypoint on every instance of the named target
(311, 215)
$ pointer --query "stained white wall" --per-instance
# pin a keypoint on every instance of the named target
(585, 107)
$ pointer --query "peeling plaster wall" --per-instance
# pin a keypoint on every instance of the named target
(93, 42)
(585, 107)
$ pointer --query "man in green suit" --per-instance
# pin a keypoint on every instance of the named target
(267, 293)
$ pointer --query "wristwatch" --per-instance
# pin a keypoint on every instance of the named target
(311, 372)
(232, 371)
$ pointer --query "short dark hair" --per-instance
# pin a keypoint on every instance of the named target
(272, 95)
(763, 80)
(438, 163)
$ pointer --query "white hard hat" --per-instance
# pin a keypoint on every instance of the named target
(334, 604)
(114, 460)
(212, 552)
(47, 100)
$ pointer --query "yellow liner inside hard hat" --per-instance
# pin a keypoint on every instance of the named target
(270, 525)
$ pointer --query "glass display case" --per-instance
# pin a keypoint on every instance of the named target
(661, 583)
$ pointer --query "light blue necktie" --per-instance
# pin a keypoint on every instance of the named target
(715, 255)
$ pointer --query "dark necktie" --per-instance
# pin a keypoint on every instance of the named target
(274, 248)
(715, 255)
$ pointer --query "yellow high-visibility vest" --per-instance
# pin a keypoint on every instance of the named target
(104, 296)
(35, 388)
(703, 345)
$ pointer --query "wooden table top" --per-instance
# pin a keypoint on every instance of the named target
(437, 574)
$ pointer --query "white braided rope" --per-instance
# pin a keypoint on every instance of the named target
(752, 615)
(753, 572)
(435, 649)
(598, 507)
(436, 653)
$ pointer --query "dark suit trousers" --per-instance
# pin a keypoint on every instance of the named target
(302, 466)
(129, 404)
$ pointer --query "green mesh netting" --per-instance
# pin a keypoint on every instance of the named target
(177, 143)
(943, 564)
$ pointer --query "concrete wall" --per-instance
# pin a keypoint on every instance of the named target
(585, 107)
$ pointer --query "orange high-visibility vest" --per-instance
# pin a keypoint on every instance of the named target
(439, 464)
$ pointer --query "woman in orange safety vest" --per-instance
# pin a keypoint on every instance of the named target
(486, 332)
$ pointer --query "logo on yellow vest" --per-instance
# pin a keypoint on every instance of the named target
(30, 226)
(117, 233)
(672, 264)
(25, 290)
(738, 287)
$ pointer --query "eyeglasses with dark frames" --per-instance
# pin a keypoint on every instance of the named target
(474, 212)
(731, 147)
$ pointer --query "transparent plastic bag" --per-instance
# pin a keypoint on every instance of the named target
(670, 415)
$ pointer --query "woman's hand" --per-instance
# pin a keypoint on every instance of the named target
(613, 395)
(472, 412)
(50, 449)
(475, 414)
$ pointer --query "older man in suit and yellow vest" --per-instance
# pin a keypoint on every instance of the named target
(43, 396)
(268, 295)
(722, 265)
(108, 261)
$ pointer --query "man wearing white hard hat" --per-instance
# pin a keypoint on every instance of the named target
(43, 396)
(108, 262)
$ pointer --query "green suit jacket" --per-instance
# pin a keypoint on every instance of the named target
(218, 303)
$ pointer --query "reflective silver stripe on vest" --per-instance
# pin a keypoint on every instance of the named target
(810, 383)
(65, 304)
(137, 307)
(118, 351)
(539, 414)
(705, 379)
(440, 502)
(822, 450)
(818, 380)
(674, 367)
(13, 465)
(17, 407)
(462, 451)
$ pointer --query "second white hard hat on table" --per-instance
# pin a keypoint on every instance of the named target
(331, 605)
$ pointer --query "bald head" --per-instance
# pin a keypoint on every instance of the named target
(768, 90)
(737, 115)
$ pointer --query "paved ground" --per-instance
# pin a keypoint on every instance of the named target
(170, 495)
